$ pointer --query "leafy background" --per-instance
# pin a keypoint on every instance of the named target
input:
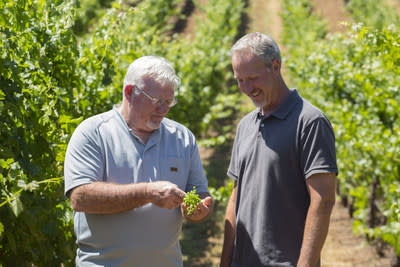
(63, 61)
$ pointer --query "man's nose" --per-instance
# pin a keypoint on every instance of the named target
(163, 108)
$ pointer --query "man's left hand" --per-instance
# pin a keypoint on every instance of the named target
(202, 212)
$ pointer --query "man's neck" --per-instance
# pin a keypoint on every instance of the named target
(143, 135)
(274, 104)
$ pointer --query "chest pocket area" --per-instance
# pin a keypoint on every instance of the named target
(172, 169)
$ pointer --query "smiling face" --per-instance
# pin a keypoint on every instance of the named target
(255, 79)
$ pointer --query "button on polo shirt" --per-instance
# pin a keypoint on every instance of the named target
(271, 158)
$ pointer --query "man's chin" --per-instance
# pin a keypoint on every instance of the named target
(153, 125)
(259, 104)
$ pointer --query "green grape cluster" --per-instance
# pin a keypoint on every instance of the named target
(191, 199)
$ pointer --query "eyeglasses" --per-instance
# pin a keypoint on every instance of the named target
(157, 101)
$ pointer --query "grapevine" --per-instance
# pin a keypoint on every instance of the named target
(191, 200)
(55, 73)
(354, 78)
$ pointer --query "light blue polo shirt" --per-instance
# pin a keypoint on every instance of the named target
(104, 148)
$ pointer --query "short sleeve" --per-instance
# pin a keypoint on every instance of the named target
(317, 151)
(84, 162)
(233, 164)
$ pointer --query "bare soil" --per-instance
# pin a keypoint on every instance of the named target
(192, 19)
(395, 4)
(264, 17)
(333, 12)
(344, 248)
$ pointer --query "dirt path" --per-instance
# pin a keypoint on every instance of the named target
(191, 20)
(264, 17)
(333, 12)
(395, 4)
(344, 249)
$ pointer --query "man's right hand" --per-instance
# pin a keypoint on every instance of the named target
(165, 194)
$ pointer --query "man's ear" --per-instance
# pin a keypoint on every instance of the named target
(276, 64)
(128, 89)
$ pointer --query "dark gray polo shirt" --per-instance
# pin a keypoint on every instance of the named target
(271, 159)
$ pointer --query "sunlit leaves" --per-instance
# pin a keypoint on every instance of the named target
(354, 79)
(37, 72)
(373, 13)
(50, 80)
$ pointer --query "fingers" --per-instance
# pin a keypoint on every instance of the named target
(178, 198)
(202, 210)
(167, 195)
(207, 201)
(180, 194)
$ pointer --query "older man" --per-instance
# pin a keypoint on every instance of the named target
(284, 166)
(126, 173)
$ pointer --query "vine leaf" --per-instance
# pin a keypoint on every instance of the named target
(16, 206)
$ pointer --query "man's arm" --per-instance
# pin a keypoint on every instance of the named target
(107, 198)
(230, 230)
(203, 211)
(321, 187)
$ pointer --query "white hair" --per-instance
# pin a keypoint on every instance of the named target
(158, 68)
(263, 46)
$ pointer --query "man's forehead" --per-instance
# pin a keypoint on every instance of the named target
(247, 66)
(153, 85)
(246, 56)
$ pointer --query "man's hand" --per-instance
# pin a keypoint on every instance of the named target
(165, 194)
(202, 212)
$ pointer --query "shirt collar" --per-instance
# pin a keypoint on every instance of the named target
(284, 108)
(287, 105)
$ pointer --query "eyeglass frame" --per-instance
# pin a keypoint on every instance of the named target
(158, 101)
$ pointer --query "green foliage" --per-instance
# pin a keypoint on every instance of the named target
(107, 53)
(37, 75)
(191, 200)
(203, 63)
(50, 80)
(354, 79)
(364, 91)
(223, 193)
(302, 27)
(87, 14)
(373, 13)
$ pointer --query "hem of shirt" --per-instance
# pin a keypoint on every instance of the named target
(324, 170)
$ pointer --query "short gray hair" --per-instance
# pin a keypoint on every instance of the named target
(259, 44)
(158, 68)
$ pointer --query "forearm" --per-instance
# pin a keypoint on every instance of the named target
(315, 232)
(106, 198)
(229, 232)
